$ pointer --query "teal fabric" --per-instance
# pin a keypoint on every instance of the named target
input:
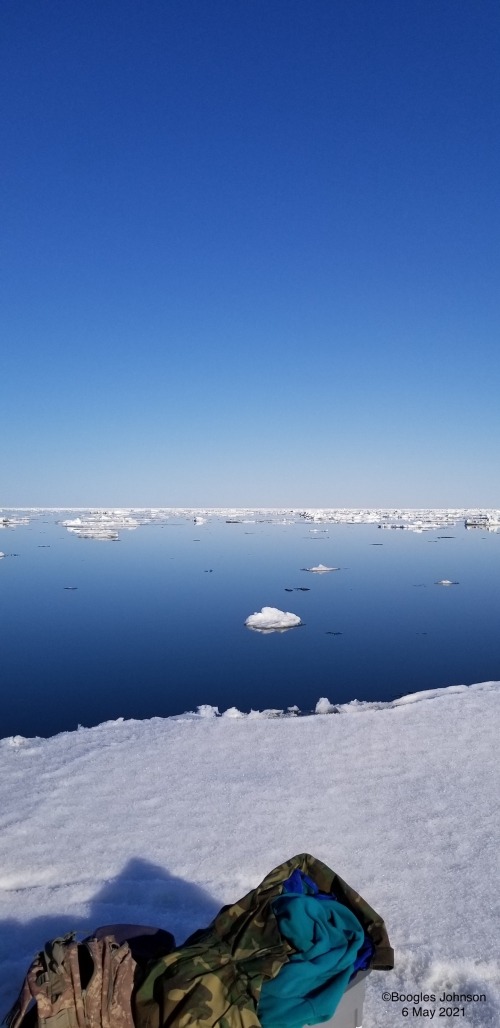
(307, 990)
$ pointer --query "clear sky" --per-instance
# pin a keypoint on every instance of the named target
(250, 252)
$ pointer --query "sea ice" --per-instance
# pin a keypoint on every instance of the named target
(320, 569)
(270, 619)
(415, 520)
(324, 706)
(161, 822)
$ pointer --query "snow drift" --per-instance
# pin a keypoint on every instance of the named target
(162, 821)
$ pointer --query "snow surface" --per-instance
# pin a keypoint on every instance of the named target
(163, 821)
(271, 619)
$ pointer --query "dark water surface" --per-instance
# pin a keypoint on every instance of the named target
(149, 630)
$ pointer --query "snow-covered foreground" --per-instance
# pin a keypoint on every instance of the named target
(163, 821)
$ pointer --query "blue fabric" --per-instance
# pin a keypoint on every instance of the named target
(327, 937)
(300, 883)
(364, 956)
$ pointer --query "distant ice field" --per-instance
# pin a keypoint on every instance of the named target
(138, 614)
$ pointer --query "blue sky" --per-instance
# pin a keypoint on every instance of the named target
(250, 252)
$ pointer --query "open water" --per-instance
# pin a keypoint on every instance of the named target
(154, 622)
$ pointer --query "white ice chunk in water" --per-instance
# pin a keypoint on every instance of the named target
(446, 581)
(206, 710)
(270, 619)
(320, 569)
(324, 706)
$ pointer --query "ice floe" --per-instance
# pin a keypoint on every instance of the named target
(117, 519)
(400, 799)
(320, 569)
(446, 581)
(13, 522)
(324, 706)
(271, 619)
(102, 525)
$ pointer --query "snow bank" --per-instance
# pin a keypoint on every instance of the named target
(163, 821)
(270, 619)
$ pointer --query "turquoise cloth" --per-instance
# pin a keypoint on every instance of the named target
(307, 990)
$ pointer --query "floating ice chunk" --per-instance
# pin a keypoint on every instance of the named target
(232, 712)
(2, 555)
(101, 525)
(264, 714)
(324, 706)
(445, 581)
(320, 569)
(206, 710)
(199, 521)
(270, 619)
(95, 533)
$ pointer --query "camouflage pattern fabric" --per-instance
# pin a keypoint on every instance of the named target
(216, 977)
(64, 1000)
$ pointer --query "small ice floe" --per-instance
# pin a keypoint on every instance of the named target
(101, 525)
(70, 588)
(2, 555)
(232, 712)
(446, 581)
(270, 619)
(12, 522)
(204, 710)
(199, 521)
(320, 569)
(324, 706)
(103, 534)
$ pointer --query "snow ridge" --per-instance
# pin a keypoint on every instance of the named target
(163, 821)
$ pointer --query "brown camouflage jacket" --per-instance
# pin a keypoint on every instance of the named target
(216, 977)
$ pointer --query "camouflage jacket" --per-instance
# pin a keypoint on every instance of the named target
(216, 977)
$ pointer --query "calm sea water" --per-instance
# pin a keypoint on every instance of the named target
(151, 630)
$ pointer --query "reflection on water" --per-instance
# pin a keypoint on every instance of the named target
(156, 625)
